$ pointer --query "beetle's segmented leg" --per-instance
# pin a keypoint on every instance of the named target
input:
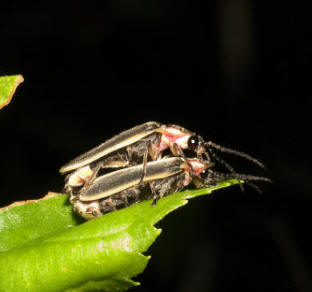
(128, 197)
(143, 167)
(163, 191)
(107, 205)
(154, 193)
(120, 200)
(68, 189)
(164, 187)
(124, 198)
(176, 150)
(198, 184)
(157, 194)
(88, 210)
(152, 151)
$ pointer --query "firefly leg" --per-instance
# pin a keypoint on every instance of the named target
(143, 168)
(177, 151)
(166, 186)
(107, 205)
(152, 151)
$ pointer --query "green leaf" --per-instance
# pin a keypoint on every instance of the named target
(45, 248)
(8, 85)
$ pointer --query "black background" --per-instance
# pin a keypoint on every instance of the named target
(236, 72)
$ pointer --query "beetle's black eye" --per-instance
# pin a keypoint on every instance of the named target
(193, 142)
(204, 173)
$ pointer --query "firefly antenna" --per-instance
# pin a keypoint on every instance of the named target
(245, 177)
(235, 152)
(227, 166)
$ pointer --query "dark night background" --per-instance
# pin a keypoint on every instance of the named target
(236, 72)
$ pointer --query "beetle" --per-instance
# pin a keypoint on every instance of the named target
(139, 144)
(123, 187)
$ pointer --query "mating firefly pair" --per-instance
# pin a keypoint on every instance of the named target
(148, 161)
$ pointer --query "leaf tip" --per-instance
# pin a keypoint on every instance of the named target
(158, 231)
(148, 257)
(18, 79)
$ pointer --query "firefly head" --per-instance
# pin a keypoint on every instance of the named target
(196, 144)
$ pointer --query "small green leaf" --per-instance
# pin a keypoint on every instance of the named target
(8, 85)
(25, 221)
(45, 248)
